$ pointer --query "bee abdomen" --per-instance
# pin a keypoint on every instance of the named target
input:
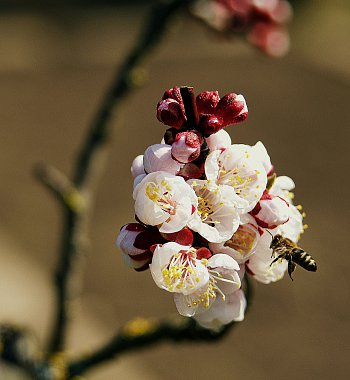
(300, 257)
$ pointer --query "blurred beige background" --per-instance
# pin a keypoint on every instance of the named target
(54, 66)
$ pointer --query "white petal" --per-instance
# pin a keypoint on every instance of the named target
(212, 165)
(223, 312)
(237, 167)
(160, 198)
(137, 166)
(282, 183)
(157, 157)
(219, 140)
(179, 220)
(260, 154)
(294, 227)
(138, 179)
(221, 260)
(184, 282)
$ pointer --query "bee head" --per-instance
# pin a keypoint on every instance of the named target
(275, 241)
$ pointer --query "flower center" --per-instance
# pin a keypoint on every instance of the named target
(239, 178)
(181, 272)
(208, 204)
(161, 195)
(242, 240)
(205, 208)
(203, 299)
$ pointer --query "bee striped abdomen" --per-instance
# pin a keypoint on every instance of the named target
(300, 257)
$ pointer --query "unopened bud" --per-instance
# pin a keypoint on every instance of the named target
(279, 12)
(272, 39)
(173, 93)
(135, 241)
(137, 166)
(271, 211)
(186, 147)
(158, 157)
(232, 108)
(170, 112)
(207, 101)
(209, 124)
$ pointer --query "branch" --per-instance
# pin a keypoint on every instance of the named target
(60, 186)
(124, 81)
(141, 333)
(91, 162)
(137, 334)
(132, 337)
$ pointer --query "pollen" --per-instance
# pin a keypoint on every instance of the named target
(181, 272)
(205, 208)
(152, 192)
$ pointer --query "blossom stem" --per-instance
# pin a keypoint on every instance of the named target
(91, 162)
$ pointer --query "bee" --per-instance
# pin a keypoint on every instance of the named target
(286, 249)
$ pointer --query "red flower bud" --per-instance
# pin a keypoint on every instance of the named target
(170, 112)
(270, 211)
(173, 93)
(186, 147)
(135, 242)
(209, 124)
(207, 101)
(272, 39)
(232, 108)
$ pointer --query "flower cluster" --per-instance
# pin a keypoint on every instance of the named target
(261, 21)
(206, 208)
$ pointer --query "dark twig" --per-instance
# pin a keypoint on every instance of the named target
(188, 330)
(135, 335)
(89, 166)
(60, 186)
(124, 83)
(76, 197)
(143, 333)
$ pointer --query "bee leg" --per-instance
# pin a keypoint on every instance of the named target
(291, 267)
(277, 258)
